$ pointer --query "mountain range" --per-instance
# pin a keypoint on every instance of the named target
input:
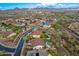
(4, 6)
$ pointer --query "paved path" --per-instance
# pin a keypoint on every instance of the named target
(21, 43)
(7, 49)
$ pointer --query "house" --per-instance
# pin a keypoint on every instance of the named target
(9, 43)
(12, 34)
(36, 33)
(46, 24)
(7, 33)
(10, 21)
(37, 43)
(35, 22)
(20, 22)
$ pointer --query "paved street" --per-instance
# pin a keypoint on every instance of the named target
(21, 43)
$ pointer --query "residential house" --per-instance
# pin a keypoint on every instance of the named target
(46, 24)
(20, 22)
(10, 21)
(36, 33)
(37, 43)
(35, 22)
(7, 33)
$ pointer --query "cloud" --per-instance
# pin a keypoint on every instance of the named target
(60, 5)
(43, 5)
(55, 5)
(68, 5)
(46, 4)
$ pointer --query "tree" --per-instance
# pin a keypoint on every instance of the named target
(44, 35)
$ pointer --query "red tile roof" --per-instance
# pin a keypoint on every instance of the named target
(8, 43)
(36, 32)
(35, 42)
(5, 33)
(35, 22)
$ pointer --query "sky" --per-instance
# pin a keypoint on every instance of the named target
(39, 1)
(4, 6)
